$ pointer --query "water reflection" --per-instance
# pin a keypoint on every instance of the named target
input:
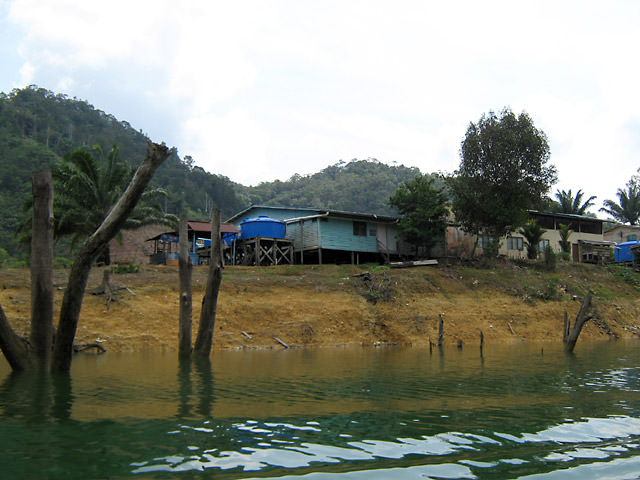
(360, 413)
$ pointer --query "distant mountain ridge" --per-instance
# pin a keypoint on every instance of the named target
(37, 127)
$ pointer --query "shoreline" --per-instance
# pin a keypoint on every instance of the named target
(322, 306)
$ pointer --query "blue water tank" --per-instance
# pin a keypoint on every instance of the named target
(623, 251)
(262, 226)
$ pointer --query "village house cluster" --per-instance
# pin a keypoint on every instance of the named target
(267, 235)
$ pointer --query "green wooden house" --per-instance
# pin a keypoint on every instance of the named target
(333, 236)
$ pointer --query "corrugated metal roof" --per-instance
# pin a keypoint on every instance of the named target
(206, 227)
(319, 211)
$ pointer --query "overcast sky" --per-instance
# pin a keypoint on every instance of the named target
(260, 90)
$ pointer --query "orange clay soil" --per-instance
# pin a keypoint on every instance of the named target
(321, 306)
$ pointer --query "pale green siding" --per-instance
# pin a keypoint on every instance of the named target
(330, 230)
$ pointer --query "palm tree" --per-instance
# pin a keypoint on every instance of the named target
(86, 189)
(533, 234)
(567, 203)
(565, 233)
(627, 209)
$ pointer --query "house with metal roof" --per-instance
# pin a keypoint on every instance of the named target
(320, 235)
(165, 244)
(586, 238)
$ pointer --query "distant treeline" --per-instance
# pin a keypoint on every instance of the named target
(38, 126)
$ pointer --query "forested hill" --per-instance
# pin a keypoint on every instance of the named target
(355, 186)
(37, 127)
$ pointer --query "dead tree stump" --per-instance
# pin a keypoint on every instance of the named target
(570, 335)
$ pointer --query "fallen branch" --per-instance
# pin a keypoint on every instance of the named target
(281, 342)
(87, 346)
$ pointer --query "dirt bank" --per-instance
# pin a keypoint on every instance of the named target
(322, 306)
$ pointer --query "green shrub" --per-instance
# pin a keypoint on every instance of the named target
(626, 274)
(126, 267)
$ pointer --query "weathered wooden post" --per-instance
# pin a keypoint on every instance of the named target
(41, 336)
(571, 337)
(204, 340)
(184, 272)
(440, 330)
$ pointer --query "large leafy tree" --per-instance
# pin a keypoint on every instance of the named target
(568, 203)
(627, 208)
(423, 209)
(503, 172)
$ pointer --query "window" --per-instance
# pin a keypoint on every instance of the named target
(543, 245)
(632, 237)
(372, 232)
(485, 241)
(360, 229)
(515, 243)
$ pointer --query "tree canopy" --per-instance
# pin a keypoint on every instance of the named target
(568, 203)
(627, 208)
(503, 172)
(423, 209)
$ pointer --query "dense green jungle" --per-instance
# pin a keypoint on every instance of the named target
(38, 126)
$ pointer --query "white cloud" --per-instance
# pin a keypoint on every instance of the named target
(261, 90)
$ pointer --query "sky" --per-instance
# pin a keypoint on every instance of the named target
(262, 90)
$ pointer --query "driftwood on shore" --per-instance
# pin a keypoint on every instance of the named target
(108, 290)
(413, 263)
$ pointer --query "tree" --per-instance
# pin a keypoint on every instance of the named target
(565, 233)
(503, 173)
(567, 203)
(627, 209)
(533, 234)
(423, 210)
(86, 189)
(16, 350)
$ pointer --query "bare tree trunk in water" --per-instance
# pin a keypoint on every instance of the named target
(184, 270)
(570, 338)
(13, 346)
(42, 269)
(204, 340)
(72, 300)
(21, 354)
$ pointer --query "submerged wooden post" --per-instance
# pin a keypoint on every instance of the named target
(42, 269)
(186, 308)
(571, 337)
(204, 340)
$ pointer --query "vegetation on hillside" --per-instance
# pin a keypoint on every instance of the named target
(39, 127)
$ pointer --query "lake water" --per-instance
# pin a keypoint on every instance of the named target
(521, 411)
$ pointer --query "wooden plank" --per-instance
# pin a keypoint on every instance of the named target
(414, 263)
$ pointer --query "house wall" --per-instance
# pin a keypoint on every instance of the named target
(622, 233)
(305, 234)
(134, 248)
(337, 234)
(553, 236)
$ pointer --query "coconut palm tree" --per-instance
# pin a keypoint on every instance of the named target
(627, 209)
(567, 203)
